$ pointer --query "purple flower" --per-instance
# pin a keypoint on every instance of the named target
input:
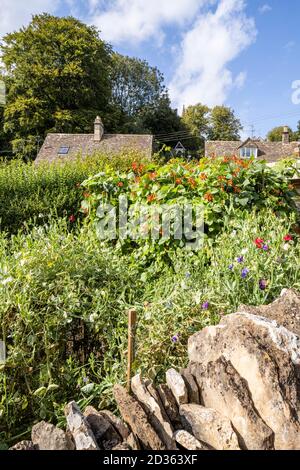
(231, 267)
(187, 275)
(245, 273)
(85, 380)
(205, 306)
(240, 259)
(263, 284)
(266, 248)
(175, 338)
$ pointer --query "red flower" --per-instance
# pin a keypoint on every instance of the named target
(134, 166)
(72, 218)
(178, 181)
(151, 197)
(288, 238)
(153, 175)
(120, 184)
(259, 242)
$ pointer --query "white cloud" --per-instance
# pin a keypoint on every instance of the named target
(265, 8)
(216, 38)
(139, 20)
(17, 13)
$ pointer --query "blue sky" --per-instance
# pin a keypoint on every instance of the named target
(244, 54)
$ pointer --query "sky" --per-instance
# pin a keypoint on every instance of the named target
(243, 54)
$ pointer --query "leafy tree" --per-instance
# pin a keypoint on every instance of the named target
(275, 134)
(224, 125)
(196, 120)
(135, 84)
(57, 76)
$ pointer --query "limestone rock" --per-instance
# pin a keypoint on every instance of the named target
(156, 413)
(133, 442)
(122, 446)
(117, 423)
(23, 445)
(224, 390)
(80, 428)
(105, 434)
(135, 416)
(267, 356)
(192, 387)
(178, 387)
(170, 405)
(188, 441)
(285, 310)
(46, 436)
(210, 427)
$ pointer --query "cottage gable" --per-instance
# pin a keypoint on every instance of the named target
(260, 149)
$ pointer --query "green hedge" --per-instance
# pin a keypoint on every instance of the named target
(30, 193)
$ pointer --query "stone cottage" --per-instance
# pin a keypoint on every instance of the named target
(272, 152)
(59, 147)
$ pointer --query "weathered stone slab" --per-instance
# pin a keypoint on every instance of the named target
(105, 434)
(135, 416)
(133, 442)
(209, 426)
(122, 446)
(117, 423)
(267, 356)
(177, 385)
(192, 387)
(156, 413)
(285, 310)
(80, 429)
(23, 445)
(46, 436)
(188, 441)
(224, 390)
(170, 405)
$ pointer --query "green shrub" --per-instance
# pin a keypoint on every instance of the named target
(29, 193)
(224, 187)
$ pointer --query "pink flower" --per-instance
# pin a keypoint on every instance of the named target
(72, 218)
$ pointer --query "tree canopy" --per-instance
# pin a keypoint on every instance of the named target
(57, 77)
(275, 134)
(223, 124)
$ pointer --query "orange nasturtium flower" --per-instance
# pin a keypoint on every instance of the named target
(151, 197)
(208, 197)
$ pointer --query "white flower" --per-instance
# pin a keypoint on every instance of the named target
(244, 251)
(93, 317)
(286, 247)
(7, 280)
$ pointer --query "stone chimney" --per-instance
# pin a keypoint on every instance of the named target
(98, 129)
(285, 135)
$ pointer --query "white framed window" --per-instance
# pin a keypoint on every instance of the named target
(248, 152)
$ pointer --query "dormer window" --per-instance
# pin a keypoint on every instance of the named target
(248, 152)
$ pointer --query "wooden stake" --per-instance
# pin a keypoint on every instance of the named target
(132, 317)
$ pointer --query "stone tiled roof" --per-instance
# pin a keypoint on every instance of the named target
(269, 151)
(85, 145)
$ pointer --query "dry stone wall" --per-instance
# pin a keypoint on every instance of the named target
(240, 391)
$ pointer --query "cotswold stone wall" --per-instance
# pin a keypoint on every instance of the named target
(240, 391)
